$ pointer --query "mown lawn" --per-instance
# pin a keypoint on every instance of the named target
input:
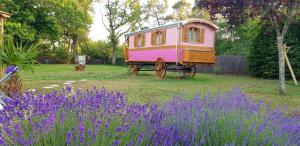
(146, 88)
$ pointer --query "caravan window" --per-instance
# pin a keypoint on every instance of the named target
(193, 34)
(158, 39)
(139, 40)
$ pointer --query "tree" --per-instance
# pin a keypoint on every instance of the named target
(280, 14)
(96, 50)
(263, 55)
(238, 42)
(200, 13)
(74, 19)
(277, 12)
(235, 11)
(49, 21)
(156, 9)
(182, 10)
(263, 58)
(121, 16)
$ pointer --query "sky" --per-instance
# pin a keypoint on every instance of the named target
(98, 31)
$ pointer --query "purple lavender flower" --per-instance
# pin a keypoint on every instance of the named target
(69, 138)
(10, 69)
(119, 129)
(62, 117)
(18, 129)
(141, 139)
(90, 132)
(81, 131)
(261, 128)
(173, 123)
(202, 142)
(130, 143)
(116, 143)
(1, 140)
(107, 124)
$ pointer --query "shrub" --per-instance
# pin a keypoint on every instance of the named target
(60, 54)
(101, 117)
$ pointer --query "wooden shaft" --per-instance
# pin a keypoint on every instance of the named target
(290, 67)
(1, 43)
(1, 71)
(1, 29)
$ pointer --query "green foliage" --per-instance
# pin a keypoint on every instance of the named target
(99, 49)
(122, 16)
(19, 31)
(60, 54)
(48, 21)
(18, 54)
(156, 9)
(263, 58)
(31, 20)
(182, 10)
(200, 13)
(237, 41)
(293, 41)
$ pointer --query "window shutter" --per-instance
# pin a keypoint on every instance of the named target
(185, 34)
(153, 38)
(135, 41)
(202, 31)
(199, 35)
(164, 37)
(143, 40)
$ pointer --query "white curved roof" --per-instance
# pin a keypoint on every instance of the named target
(175, 24)
(200, 21)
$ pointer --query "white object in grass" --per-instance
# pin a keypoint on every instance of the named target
(81, 59)
(83, 80)
(48, 87)
(32, 90)
(67, 83)
(54, 85)
(71, 81)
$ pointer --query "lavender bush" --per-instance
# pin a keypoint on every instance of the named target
(101, 117)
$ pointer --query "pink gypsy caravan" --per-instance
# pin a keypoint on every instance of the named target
(178, 46)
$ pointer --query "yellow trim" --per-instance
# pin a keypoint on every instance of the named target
(185, 47)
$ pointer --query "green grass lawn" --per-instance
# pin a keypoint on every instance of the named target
(146, 88)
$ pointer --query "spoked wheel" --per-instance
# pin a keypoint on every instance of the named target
(134, 69)
(189, 70)
(160, 68)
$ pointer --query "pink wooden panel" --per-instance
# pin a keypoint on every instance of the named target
(169, 55)
(171, 34)
(209, 37)
(131, 41)
(148, 39)
(180, 55)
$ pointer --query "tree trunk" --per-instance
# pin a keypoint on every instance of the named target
(114, 55)
(74, 46)
(114, 45)
(157, 19)
(282, 89)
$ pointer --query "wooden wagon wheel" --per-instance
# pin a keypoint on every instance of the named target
(189, 70)
(134, 69)
(160, 68)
